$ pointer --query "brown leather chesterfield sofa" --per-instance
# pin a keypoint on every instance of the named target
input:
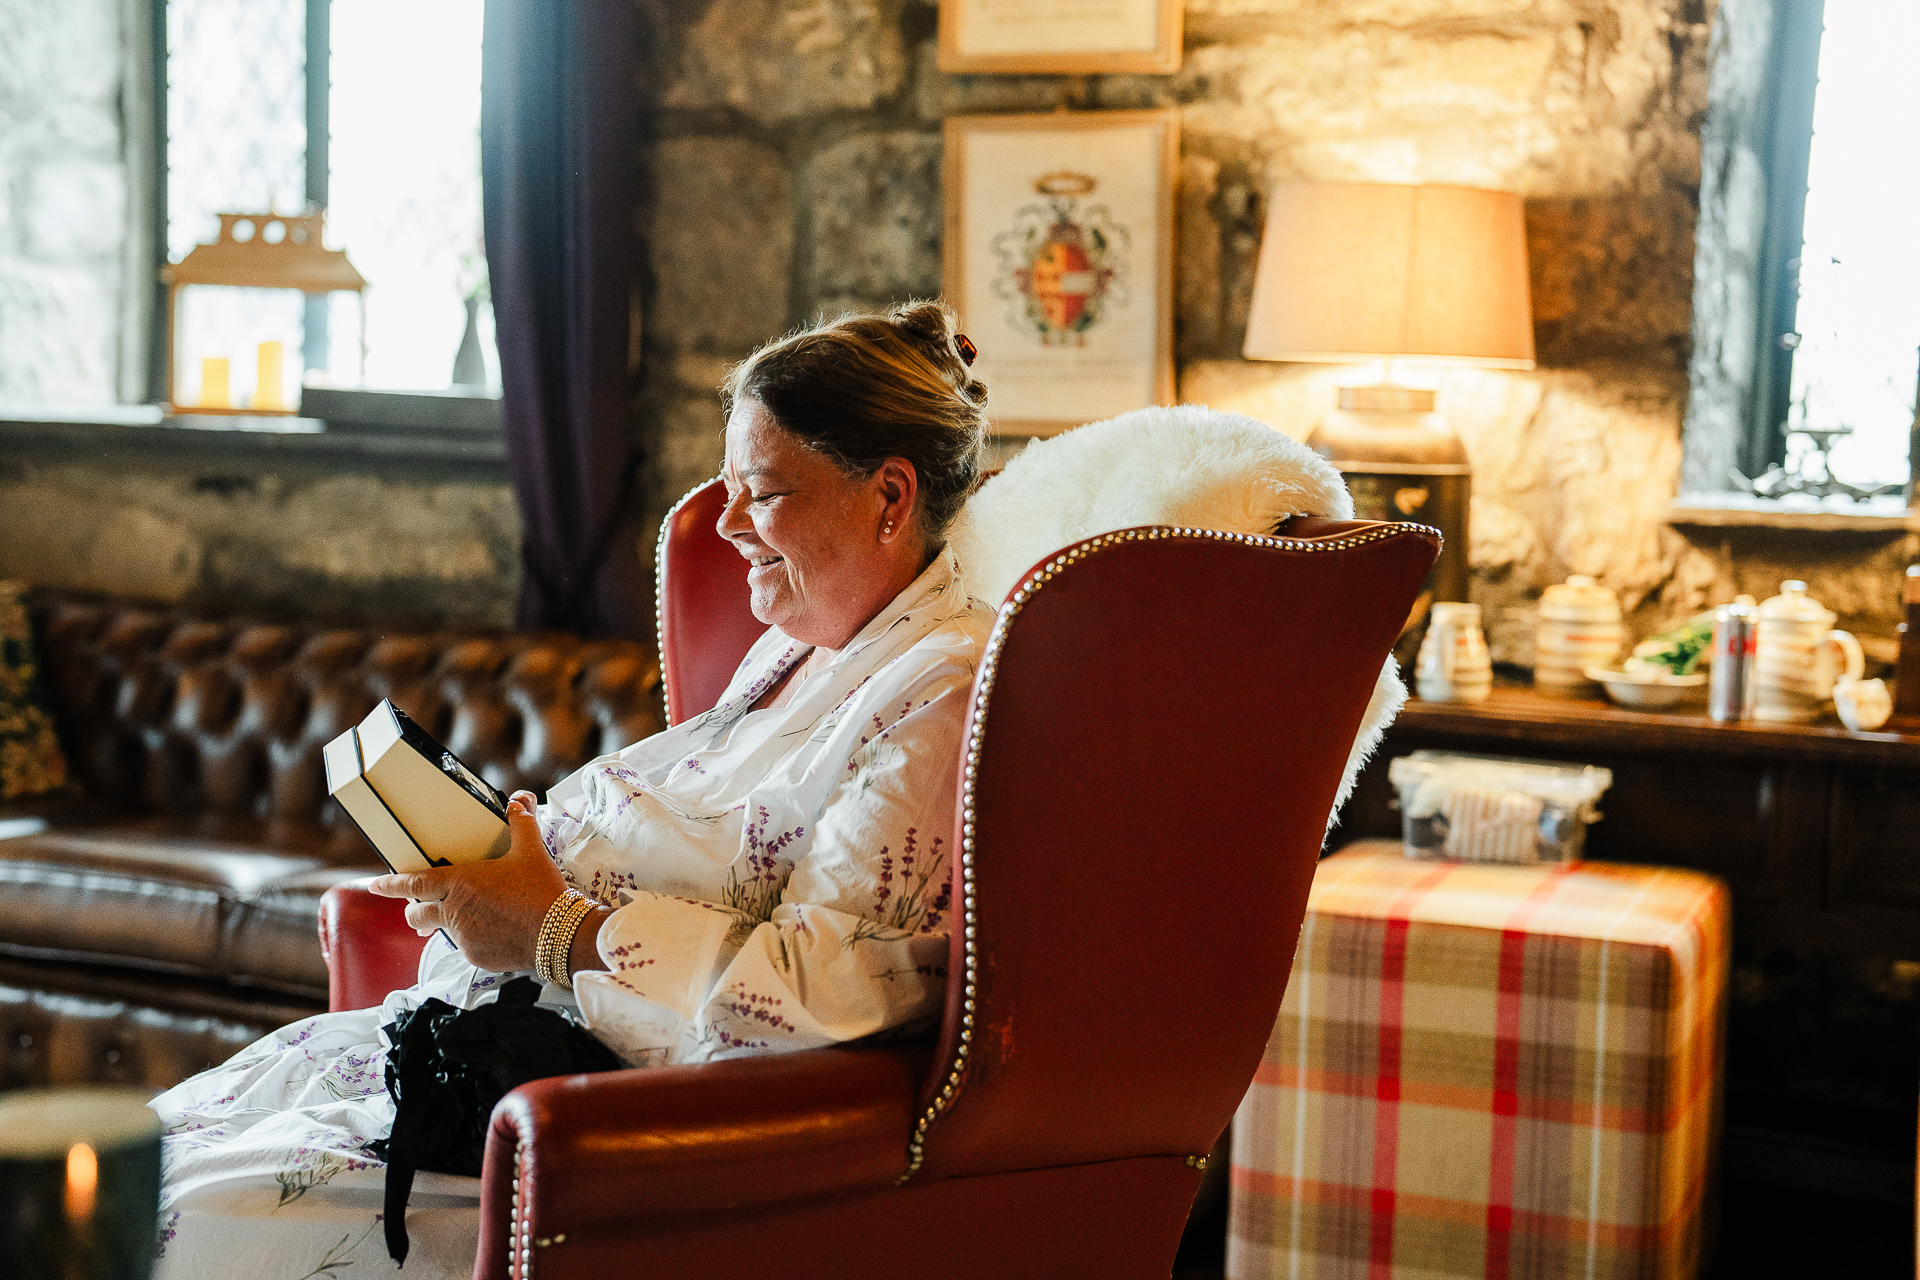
(167, 916)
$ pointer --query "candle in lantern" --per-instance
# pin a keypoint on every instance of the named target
(268, 385)
(213, 383)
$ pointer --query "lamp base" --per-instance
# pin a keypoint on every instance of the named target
(1401, 461)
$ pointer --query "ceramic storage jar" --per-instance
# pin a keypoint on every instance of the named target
(1579, 628)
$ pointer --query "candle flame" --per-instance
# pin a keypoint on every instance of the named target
(83, 1179)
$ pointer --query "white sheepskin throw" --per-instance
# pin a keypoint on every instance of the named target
(1184, 465)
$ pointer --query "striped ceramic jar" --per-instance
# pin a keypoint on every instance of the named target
(1579, 628)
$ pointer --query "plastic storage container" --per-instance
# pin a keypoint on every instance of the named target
(1496, 809)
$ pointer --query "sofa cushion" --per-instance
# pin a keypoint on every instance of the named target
(31, 763)
(62, 1023)
(207, 896)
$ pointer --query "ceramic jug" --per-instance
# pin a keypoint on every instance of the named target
(1579, 628)
(1864, 705)
(1800, 656)
(1453, 665)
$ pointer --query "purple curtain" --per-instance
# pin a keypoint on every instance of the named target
(558, 107)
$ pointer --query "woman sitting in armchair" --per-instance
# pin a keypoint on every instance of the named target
(769, 876)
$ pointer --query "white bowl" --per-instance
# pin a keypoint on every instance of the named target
(1649, 691)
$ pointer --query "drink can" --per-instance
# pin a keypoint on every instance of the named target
(1734, 687)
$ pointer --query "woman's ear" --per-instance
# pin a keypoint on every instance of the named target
(899, 488)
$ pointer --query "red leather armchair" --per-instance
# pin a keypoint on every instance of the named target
(1155, 741)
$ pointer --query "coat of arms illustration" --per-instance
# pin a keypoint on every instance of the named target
(1061, 266)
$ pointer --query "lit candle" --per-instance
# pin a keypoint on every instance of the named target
(79, 1184)
(83, 1181)
(213, 383)
(267, 386)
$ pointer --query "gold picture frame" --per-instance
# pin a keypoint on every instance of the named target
(1058, 256)
(1075, 37)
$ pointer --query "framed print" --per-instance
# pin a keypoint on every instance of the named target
(1080, 37)
(1058, 256)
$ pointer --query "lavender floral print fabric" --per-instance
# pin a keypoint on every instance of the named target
(782, 880)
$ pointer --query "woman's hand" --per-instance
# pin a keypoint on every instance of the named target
(492, 910)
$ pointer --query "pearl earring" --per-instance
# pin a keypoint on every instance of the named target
(889, 528)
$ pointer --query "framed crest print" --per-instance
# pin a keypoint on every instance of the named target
(1058, 255)
(1078, 37)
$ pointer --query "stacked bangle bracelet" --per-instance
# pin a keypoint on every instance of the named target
(554, 947)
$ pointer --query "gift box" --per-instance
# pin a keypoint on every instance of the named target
(1486, 1070)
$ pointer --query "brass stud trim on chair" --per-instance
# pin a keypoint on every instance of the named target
(976, 741)
(519, 1263)
(660, 597)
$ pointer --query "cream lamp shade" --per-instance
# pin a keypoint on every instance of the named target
(1353, 272)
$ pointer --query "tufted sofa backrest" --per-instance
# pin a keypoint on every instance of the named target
(164, 710)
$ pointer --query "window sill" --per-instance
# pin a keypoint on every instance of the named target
(1885, 516)
(467, 446)
(465, 413)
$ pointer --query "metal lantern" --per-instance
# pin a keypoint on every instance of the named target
(258, 251)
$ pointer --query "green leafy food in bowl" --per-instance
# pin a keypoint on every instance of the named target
(1677, 652)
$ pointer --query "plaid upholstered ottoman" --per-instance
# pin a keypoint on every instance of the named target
(1487, 1071)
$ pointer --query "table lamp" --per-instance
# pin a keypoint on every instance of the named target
(1362, 272)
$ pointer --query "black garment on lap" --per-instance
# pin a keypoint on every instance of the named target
(447, 1069)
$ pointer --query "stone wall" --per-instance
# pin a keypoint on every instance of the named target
(793, 169)
(300, 540)
(72, 209)
(789, 167)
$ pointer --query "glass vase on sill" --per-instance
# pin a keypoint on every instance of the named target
(469, 366)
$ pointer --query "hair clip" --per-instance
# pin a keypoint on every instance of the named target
(965, 347)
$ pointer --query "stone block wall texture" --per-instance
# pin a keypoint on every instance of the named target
(793, 170)
(279, 541)
(788, 167)
(65, 202)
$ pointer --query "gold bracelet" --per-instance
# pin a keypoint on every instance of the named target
(553, 949)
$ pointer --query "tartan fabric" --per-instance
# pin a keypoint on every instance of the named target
(1488, 1071)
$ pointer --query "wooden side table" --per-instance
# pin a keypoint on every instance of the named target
(1815, 828)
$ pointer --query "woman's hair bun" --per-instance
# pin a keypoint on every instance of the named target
(929, 320)
(931, 324)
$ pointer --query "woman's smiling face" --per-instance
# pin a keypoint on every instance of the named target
(821, 567)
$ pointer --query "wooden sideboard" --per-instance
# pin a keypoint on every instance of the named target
(1816, 829)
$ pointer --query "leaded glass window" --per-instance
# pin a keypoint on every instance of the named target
(236, 115)
(405, 202)
(1858, 319)
(398, 164)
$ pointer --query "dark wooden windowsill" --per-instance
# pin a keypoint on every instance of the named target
(1887, 517)
(141, 431)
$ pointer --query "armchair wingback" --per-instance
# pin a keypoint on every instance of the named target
(1155, 741)
(702, 599)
